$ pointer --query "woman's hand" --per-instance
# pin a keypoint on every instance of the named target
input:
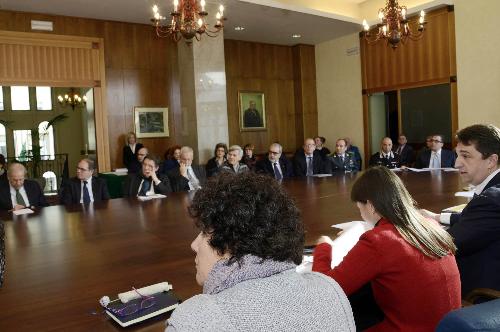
(324, 239)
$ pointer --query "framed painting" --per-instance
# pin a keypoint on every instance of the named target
(151, 122)
(252, 110)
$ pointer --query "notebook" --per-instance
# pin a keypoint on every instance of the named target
(164, 301)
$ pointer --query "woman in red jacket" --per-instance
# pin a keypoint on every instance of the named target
(407, 259)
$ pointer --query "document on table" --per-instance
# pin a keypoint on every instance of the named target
(446, 169)
(149, 197)
(321, 175)
(348, 239)
(455, 209)
(468, 194)
(22, 211)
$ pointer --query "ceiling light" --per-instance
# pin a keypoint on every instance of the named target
(239, 28)
(296, 35)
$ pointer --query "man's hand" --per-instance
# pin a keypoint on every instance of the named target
(429, 214)
(183, 169)
(18, 207)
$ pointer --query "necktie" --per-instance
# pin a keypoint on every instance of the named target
(342, 159)
(193, 181)
(399, 150)
(309, 171)
(19, 198)
(146, 184)
(86, 196)
(277, 173)
(435, 161)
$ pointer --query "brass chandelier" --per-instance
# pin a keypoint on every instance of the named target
(394, 27)
(188, 21)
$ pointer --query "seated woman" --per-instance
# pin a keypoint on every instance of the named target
(233, 163)
(172, 157)
(215, 163)
(248, 156)
(246, 255)
(407, 259)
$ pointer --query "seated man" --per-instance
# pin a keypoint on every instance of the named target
(476, 230)
(76, 190)
(308, 161)
(355, 151)
(19, 193)
(250, 241)
(273, 164)
(405, 151)
(136, 165)
(385, 157)
(436, 157)
(340, 160)
(187, 176)
(147, 182)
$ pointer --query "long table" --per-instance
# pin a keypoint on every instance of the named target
(61, 260)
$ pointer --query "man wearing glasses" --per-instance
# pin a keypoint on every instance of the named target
(436, 157)
(136, 165)
(275, 164)
(147, 182)
(187, 176)
(308, 161)
(84, 188)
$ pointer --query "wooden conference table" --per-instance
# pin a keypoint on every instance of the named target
(61, 260)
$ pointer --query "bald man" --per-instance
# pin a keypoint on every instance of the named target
(385, 157)
(18, 192)
(308, 161)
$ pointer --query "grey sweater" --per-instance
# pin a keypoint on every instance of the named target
(286, 301)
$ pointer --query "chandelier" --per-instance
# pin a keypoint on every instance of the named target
(394, 27)
(74, 101)
(188, 21)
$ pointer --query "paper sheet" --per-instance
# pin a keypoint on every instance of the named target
(321, 175)
(149, 197)
(22, 211)
(456, 208)
(468, 194)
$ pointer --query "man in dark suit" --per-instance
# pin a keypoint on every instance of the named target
(308, 161)
(385, 157)
(19, 193)
(251, 116)
(476, 230)
(340, 160)
(76, 190)
(405, 151)
(147, 182)
(436, 157)
(187, 176)
(274, 164)
(354, 150)
(135, 165)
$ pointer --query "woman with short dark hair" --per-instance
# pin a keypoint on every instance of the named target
(248, 156)
(407, 259)
(215, 163)
(251, 240)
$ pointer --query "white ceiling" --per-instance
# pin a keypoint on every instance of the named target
(262, 23)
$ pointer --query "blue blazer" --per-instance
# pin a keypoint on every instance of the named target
(447, 159)
(476, 232)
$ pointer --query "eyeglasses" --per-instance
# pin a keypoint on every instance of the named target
(82, 169)
(274, 152)
(147, 302)
(435, 141)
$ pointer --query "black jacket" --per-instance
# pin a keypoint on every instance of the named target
(133, 181)
(71, 190)
(33, 191)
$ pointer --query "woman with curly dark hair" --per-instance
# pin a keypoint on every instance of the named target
(172, 157)
(250, 242)
(215, 164)
(407, 259)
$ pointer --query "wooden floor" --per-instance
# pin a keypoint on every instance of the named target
(60, 261)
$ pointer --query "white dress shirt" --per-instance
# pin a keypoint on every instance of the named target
(89, 187)
(438, 153)
(23, 193)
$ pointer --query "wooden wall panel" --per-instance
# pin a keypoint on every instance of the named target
(141, 70)
(431, 59)
(276, 71)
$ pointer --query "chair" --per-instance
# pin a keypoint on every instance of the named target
(479, 317)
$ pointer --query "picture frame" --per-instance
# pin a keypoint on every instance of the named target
(252, 110)
(151, 122)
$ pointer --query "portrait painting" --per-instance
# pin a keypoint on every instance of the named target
(252, 110)
(151, 122)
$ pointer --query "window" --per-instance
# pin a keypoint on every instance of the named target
(3, 141)
(46, 137)
(20, 98)
(1, 99)
(50, 182)
(22, 144)
(43, 98)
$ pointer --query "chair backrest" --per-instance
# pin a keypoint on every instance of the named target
(480, 317)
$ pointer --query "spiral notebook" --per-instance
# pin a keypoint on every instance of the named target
(164, 302)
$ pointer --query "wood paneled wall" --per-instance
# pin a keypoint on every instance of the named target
(141, 70)
(283, 74)
(430, 60)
